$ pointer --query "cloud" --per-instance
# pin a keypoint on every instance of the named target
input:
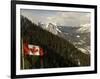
(57, 17)
(70, 18)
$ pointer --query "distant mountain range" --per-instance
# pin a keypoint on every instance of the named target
(79, 36)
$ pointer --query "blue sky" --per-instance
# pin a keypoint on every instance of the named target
(57, 17)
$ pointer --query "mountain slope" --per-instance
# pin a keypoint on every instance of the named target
(79, 36)
(84, 28)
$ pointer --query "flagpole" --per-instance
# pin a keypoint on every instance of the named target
(41, 57)
(22, 55)
(41, 61)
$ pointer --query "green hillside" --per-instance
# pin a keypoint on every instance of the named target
(58, 52)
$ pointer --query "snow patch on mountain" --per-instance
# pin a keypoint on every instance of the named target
(84, 28)
(84, 50)
(58, 30)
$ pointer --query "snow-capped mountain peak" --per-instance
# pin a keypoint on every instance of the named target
(51, 28)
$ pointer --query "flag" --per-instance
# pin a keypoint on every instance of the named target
(32, 50)
(33, 53)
